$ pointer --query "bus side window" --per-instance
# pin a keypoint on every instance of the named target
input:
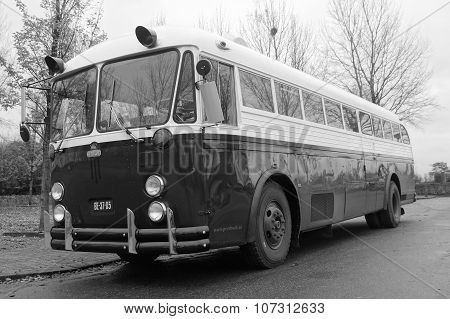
(288, 100)
(185, 109)
(387, 128)
(377, 127)
(312, 104)
(212, 75)
(223, 75)
(366, 123)
(405, 135)
(334, 115)
(227, 94)
(350, 119)
(256, 91)
(396, 131)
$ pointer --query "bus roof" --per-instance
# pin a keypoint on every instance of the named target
(128, 45)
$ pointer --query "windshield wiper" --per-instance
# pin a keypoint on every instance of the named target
(119, 121)
(83, 107)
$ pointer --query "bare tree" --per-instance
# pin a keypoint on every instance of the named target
(274, 30)
(373, 59)
(65, 29)
(218, 23)
(5, 88)
(4, 26)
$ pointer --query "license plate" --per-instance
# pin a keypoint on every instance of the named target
(102, 206)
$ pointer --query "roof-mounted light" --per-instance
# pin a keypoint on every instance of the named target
(55, 65)
(146, 37)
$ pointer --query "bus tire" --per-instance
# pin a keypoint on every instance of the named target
(137, 259)
(273, 229)
(373, 220)
(390, 218)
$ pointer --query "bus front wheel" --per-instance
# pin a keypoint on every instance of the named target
(273, 229)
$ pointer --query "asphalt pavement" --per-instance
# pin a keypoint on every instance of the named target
(411, 261)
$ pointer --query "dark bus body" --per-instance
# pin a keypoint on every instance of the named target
(223, 186)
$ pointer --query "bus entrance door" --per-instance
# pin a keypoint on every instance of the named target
(371, 173)
(371, 178)
(355, 195)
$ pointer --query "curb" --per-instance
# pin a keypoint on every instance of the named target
(431, 196)
(24, 234)
(54, 272)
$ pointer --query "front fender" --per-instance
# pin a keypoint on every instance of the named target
(390, 177)
(251, 229)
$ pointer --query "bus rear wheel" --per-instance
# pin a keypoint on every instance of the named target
(273, 229)
(390, 218)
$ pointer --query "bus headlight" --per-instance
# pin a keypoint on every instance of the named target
(157, 211)
(154, 185)
(57, 191)
(58, 213)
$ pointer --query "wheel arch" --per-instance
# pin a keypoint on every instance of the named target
(283, 179)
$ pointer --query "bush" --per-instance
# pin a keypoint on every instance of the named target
(20, 164)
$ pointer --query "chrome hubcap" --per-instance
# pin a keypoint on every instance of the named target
(274, 225)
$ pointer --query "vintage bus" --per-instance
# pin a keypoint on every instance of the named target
(174, 141)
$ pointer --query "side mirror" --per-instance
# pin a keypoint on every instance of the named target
(24, 133)
(203, 67)
(211, 102)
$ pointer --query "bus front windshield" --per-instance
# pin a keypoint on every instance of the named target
(73, 106)
(137, 92)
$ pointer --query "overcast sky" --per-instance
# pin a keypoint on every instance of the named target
(430, 143)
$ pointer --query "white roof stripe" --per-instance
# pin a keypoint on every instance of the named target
(175, 37)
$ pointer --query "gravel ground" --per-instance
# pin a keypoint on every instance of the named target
(19, 227)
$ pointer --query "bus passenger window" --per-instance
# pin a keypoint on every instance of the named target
(377, 127)
(288, 100)
(387, 128)
(334, 115)
(185, 110)
(223, 75)
(396, 131)
(366, 124)
(256, 91)
(350, 119)
(212, 75)
(227, 94)
(313, 107)
(405, 135)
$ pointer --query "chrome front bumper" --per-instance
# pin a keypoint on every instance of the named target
(132, 240)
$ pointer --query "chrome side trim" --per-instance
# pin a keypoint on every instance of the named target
(131, 227)
(68, 228)
(47, 228)
(171, 227)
